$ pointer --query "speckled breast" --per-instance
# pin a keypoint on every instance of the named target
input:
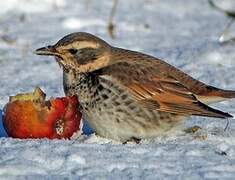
(111, 111)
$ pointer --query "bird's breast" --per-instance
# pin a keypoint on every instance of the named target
(81, 85)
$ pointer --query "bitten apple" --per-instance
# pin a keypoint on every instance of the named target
(30, 116)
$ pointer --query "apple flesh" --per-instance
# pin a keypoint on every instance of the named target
(29, 115)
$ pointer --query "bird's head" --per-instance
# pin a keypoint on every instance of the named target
(79, 51)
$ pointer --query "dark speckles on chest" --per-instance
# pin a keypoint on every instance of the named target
(101, 96)
(100, 88)
(82, 87)
(104, 96)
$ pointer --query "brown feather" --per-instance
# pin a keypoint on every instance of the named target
(154, 66)
(153, 85)
(216, 95)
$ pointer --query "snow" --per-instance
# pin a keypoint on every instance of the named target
(185, 33)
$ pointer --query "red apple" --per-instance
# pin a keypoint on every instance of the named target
(30, 116)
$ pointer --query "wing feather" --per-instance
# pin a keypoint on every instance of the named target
(157, 91)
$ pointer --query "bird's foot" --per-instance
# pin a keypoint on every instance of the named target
(196, 136)
(192, 129)
(133, 140)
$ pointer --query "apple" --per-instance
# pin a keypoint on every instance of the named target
(29, 115)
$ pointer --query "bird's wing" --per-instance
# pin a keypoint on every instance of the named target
(157, 90)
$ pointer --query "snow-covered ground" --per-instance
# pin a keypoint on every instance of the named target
(183, 32)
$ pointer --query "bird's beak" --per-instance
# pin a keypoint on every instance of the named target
(47, 51)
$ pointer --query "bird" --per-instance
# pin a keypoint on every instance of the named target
(128, 95)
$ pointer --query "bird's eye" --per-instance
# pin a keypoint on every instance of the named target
(73, 51)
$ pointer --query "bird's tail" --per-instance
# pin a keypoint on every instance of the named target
(213, 95)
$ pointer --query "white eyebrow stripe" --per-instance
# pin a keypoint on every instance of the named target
(81, 45)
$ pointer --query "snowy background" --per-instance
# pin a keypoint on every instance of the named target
(183, 32)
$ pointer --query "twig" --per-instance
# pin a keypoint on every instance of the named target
(230, 14)
(227, 12)
(88, 2)
(227, 125)
(225, 31)
(111, 25)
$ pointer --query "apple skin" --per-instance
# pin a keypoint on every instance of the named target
(30, 116)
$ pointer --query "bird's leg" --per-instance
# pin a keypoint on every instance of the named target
(197, 136)
(192, 129)
(133, 139)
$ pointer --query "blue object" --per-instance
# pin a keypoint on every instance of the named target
(86, 128)
(2, 130)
